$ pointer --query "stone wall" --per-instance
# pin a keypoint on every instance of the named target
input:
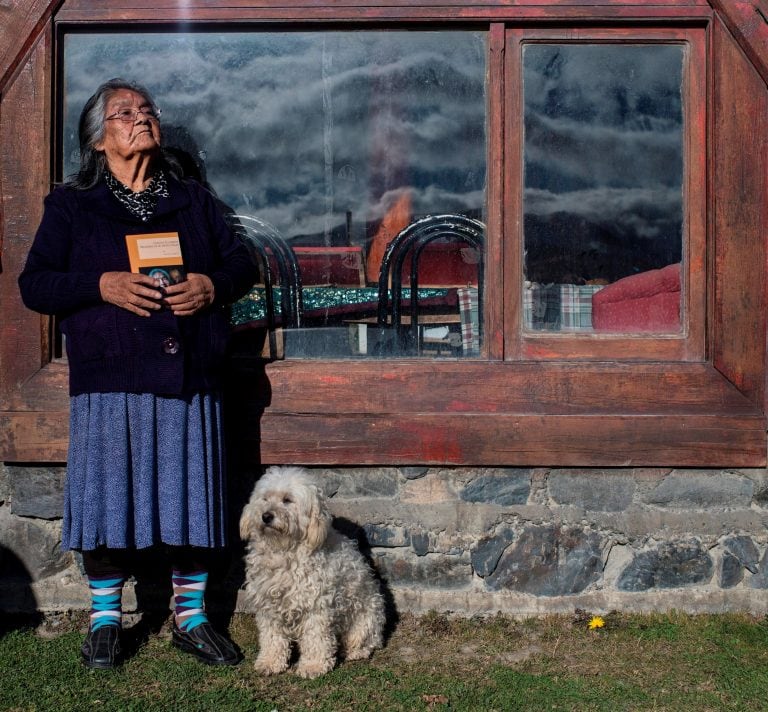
(525, 541)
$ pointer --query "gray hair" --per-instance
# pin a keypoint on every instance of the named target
(93, 163)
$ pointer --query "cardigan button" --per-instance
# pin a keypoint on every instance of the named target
(171, 345)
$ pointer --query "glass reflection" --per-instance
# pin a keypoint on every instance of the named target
(336, 141)
(603, 187)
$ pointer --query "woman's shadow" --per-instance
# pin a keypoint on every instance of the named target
(17, 599)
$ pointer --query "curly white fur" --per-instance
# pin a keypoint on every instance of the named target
(307, 583)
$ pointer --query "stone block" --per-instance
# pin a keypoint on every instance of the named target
(420, 542)
(761, 495)
(435, 571)
(670, 565)
(596, 491)
(428, 490)
(731, 571)
(485, 556)
(413, 473)
(760, 578)
(700, 490)
(740, 553)
(32, 545)
(508, 487)
(549, 561)
(745, 551)
(384, 535)
(5, 483)
(37, 491)
(360, 483)
(759, 477)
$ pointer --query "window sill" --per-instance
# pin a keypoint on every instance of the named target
(455, 413)
(526, 414)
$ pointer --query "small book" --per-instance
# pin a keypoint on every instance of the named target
(157, 254)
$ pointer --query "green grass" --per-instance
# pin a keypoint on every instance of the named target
(661, 662)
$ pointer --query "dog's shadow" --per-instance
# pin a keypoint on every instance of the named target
(355, 532)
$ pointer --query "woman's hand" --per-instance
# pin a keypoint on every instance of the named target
(137, 293)
(189, 297)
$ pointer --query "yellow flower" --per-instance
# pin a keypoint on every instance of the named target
(596, 622)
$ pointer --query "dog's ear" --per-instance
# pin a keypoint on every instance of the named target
(246, 522)
(319, 522)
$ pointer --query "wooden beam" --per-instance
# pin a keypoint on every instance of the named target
(451, 439)
(353, 413)
(748, 23)
(511, 440)
(382, 10)
(380, 387)
(21, 24)
(739, 196)
(24, 181)
(34, 436)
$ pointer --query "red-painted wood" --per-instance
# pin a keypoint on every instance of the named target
(690, 344)
(740, 212)
(21, 23)
(383, 10)
(518, 440)
(748, 22)
(24, 132)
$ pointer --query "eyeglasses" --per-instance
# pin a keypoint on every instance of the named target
(129, 116)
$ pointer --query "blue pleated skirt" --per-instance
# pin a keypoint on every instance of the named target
(144, 470)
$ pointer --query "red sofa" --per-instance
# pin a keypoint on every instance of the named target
(648, 301)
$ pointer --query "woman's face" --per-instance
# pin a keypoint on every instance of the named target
(124, 140)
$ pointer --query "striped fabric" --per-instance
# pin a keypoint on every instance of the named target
(106, 602)
(559, 307)
(470, 324)
(188, 595)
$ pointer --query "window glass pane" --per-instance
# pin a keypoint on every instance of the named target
(333, 143)
(603, 187)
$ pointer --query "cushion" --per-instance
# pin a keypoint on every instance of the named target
(648, 301)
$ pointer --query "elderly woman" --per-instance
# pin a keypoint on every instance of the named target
(146, 454)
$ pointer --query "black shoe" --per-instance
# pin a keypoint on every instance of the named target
(206, 645)
(101, 648)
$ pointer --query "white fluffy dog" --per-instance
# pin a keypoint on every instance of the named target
(307, 583)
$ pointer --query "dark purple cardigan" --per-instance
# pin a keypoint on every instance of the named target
(81, 236)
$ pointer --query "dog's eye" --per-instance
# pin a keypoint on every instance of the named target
(287, 500)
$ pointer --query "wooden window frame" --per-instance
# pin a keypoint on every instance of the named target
(527, 401)
(689, 345)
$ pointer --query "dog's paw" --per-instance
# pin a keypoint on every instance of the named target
(313, 668)
(266, 666)
(359, 654)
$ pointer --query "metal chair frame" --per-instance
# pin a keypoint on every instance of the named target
(261, 239)
(416, 237)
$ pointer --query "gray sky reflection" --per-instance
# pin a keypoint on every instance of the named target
(299, 128)
(603, 160)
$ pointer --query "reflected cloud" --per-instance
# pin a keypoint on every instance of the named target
(304, 129)
(301, 128)
(607, 204)
(603, 154)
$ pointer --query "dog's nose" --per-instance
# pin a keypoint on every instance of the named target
(267, 517)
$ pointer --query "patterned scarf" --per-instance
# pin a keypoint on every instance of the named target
(143, 203)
